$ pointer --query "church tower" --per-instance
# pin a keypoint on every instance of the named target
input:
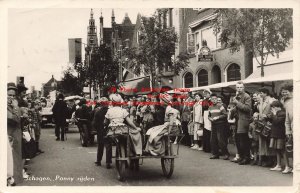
(92, 39)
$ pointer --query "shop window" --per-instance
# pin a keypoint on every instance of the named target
(216, 74)
(188, 80)
(233, 72)
(202, 78)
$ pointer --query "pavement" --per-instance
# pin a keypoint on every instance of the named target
(66, 163)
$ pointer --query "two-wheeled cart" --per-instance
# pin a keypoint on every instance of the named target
(124, 160)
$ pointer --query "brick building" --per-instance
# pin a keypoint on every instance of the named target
(196, 37)
(49, 86)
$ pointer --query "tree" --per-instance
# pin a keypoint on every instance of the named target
(156, 49)
(103, 68)
(260, 31)
(70, 84)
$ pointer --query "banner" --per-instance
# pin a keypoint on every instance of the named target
(75, 50)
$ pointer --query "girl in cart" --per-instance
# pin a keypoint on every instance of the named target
(155, 146)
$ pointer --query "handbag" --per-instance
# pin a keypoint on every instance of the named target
(289, 145)
(191, 126)
(259, 127)
(266, 132)
(30, 148)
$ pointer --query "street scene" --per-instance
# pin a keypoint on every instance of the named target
(150, 97)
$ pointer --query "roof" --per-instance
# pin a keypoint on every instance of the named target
(50, 81)
(200, 21)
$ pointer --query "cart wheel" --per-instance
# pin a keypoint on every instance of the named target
(167, 165)
(120, 164)
(134, 164)
(84, 136)
(137, 165)
(92, 139)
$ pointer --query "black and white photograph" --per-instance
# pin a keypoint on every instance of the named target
(172, 96)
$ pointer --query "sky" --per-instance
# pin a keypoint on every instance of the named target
(38, 39)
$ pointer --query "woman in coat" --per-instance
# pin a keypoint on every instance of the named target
(198, 120)
(14, 132)
(264, 109)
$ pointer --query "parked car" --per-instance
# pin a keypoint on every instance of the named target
(47, 116)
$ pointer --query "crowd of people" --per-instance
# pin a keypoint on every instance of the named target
(23, 132)
(258, 124)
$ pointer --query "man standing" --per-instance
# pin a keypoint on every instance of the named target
(243, 110)
(98, 124)
(217, 116)
(60, 112)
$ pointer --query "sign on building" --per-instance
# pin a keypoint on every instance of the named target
(204, 54)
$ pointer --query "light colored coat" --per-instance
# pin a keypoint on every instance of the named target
(264, 107)
(288, 105)
(197, 112)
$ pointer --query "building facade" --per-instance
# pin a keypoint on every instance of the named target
(210, 62)
(118, 37)
(49, 86)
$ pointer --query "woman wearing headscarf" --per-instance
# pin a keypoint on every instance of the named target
(116, 116)
(155, 145)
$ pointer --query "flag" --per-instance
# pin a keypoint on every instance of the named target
(75, 50)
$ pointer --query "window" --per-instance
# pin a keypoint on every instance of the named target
(188, 80)
(202, 78)
(191, 43)
(233, 72)
(210, 37)
(171, 17)
(215, 75)
(197, 42)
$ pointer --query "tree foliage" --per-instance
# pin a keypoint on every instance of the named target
(261, 31)
(103, 68)
(156, 48)
(70, 84)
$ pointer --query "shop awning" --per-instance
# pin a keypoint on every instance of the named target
(282, 71)
(137, 86)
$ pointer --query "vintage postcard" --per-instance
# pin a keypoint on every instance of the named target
(150, 95)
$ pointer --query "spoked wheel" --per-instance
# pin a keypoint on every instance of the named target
(92, 139)
(120, 164)
(84, 136)
(134, 164)
(167, 165)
